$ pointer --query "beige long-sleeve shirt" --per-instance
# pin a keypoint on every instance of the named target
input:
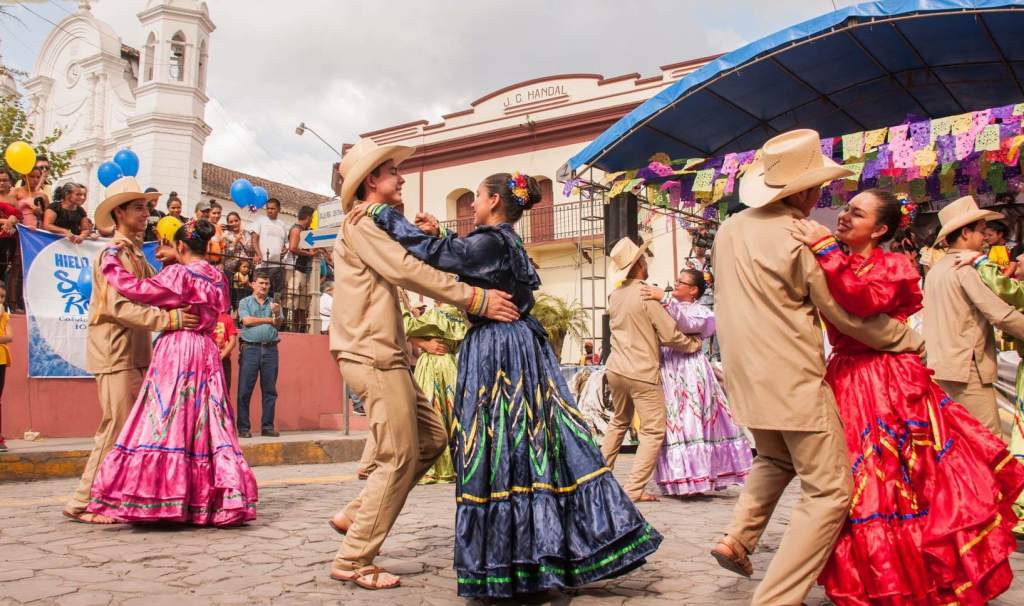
(119, 336)
(769, 289)
(638, 328)
(959, 313)
(366, 320)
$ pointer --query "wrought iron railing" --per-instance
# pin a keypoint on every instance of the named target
(545, 224)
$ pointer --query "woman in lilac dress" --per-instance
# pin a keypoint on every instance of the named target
(703, 450)
(177, 458)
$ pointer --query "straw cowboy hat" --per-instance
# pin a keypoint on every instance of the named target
(360, 160)
(119, 192)
(790, 163)
(961, 212)
(624, 256)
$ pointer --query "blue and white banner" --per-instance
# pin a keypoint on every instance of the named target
(58, 283)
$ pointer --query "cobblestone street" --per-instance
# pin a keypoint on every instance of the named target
(283, 557)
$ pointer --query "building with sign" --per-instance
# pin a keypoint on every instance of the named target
(534, 127)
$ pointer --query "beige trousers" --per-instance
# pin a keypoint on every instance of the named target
(117, 391)
(648, 400)
(366, 461)
(822, 463)
(978, 398)
(409, 436)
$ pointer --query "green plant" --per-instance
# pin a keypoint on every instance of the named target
(560, 318)
(15, 126)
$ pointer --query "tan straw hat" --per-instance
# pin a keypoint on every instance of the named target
(790, 163)
(123, 190)
(624, 256)
(961, 212)
(360, 160)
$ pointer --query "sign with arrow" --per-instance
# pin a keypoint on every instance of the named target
(318, 238)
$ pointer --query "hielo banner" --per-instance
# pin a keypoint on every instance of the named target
(58, 284)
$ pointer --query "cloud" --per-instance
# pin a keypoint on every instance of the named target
(346, 67)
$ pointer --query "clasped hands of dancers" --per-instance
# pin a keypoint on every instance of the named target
(906, 495)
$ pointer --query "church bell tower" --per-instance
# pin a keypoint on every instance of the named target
(168, 128)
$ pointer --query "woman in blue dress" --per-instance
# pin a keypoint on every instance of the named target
(536, 506)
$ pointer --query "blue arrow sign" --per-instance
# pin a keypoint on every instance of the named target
(312, 239)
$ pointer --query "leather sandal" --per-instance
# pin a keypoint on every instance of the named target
(359, 577)
(646, 497)
(338, 528)
(732, 556)
(93, 518)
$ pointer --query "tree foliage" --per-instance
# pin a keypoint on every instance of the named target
(15, 126)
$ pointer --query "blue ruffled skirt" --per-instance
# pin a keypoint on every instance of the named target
(537, 508)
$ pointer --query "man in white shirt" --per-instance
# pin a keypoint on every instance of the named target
(326, 299)
(270, 239)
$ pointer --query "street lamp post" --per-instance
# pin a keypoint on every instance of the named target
(302, 128)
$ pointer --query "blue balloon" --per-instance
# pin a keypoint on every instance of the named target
(108, 172)
(260, 196)
(84, 282)
(242, 192)
(128, 161)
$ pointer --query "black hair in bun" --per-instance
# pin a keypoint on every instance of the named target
(195, 235)
(509, 189)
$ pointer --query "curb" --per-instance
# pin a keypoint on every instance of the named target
(30, 466)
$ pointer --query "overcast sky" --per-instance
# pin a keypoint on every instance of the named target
(346, 67)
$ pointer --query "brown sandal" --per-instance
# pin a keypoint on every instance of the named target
(358, 576)
(338, 529)
(92, 519)
(646, 497)
(732, 556)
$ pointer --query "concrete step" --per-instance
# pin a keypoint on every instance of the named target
(66, 457)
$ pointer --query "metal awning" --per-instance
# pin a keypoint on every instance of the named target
(858, 68)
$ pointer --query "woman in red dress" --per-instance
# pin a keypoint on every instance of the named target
(930, 520)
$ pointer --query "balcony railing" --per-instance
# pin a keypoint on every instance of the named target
(545, 224)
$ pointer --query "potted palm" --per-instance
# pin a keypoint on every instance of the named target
(560, 318)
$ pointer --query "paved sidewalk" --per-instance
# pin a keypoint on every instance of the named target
(284, 556)
(65, 457)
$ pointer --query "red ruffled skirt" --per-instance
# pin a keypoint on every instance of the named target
(930, 517)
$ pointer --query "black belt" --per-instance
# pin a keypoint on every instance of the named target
(261, 344)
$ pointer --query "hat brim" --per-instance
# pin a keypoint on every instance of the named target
(966, 219)
(350, 182)
(755, 193)
(618, 275)
(104, 215)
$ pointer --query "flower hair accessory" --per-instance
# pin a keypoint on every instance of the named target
(908, 210)
(190, 229)
(520, 190)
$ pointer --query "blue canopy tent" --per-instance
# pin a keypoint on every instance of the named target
(858, 68)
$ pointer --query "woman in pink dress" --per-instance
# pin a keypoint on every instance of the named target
(177, 458)
(704, 449)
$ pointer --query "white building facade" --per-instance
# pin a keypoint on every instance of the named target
(534, 127)
(105, 95)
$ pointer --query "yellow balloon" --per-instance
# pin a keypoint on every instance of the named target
(316, 220)
(20, 157)
(166, 228)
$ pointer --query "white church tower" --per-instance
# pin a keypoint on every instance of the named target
(168, 127)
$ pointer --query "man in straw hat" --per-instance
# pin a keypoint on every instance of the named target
(120, 331)
(770, 290)
(638, 328)
(959, 313)
(368, 340)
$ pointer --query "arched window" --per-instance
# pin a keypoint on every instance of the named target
(177, 67)
(147, 71)
(202, 66)
(464, 213)
(542, 215)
